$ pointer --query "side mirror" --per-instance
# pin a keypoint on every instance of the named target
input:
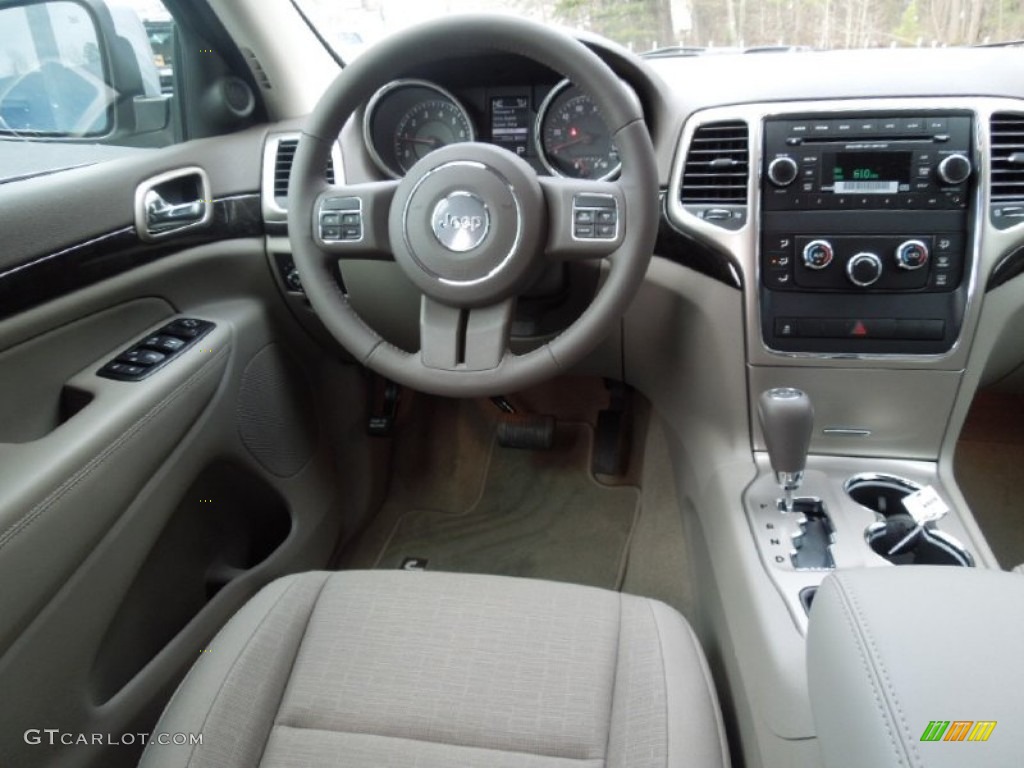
(68, 69)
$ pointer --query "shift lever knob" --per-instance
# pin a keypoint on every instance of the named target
(787, 420)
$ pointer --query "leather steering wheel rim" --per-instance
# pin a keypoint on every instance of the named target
(549, 230)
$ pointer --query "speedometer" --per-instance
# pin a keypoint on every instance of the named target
(408, 119)
(572, 136)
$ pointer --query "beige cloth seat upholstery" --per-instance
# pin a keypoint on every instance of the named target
(437, 670)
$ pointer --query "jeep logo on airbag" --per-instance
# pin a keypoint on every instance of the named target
(472, 223)
(461, 221)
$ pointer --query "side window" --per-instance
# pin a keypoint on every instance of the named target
(87, 69)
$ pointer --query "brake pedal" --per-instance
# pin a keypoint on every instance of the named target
(528, 431)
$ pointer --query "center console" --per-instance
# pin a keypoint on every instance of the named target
(861, 247)
(864, 243)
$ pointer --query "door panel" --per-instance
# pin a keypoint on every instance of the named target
(124, 433)
(135, 517)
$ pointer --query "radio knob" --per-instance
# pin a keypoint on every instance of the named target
(864, 269)
(912, 254)
(782, 171)
(818, 254)
(954, 169)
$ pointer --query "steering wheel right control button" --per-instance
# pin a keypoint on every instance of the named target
(341, 219)
(818, 254)
(913, 254)
(595, 217)
(864, 269)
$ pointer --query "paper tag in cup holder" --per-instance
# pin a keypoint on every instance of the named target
(925, 505)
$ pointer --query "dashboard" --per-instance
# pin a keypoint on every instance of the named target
(851, 194)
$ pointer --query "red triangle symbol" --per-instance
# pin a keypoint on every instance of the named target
(859, 329)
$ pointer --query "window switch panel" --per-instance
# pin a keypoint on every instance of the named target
(144, 357)
(156, 350)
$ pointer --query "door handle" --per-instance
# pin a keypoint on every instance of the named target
(172, 202)
(160, 213)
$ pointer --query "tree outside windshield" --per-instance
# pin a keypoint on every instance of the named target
(644, 25)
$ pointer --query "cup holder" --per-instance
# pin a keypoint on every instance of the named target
(883, 495)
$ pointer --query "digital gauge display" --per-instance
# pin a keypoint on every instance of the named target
(877, 173)
(510, 123)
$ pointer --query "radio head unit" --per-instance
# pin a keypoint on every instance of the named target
(867, 162)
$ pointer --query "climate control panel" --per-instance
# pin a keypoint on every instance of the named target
(909, 262)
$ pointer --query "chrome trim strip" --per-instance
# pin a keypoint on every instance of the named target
(64, 251)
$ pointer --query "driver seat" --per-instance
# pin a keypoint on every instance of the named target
(435, 670)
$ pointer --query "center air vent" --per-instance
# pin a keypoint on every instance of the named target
(717, 165)
(1007, 157)
(283, 167)
(1006, 166)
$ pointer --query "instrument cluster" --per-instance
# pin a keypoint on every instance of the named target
(555, 127)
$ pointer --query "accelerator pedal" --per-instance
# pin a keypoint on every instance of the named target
(528, 431)
(611, 443)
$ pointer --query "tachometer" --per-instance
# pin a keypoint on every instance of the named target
(572, 136)
(428, 126)
(407, 119)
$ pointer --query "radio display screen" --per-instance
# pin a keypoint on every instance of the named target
(878, 173)
(510, 123)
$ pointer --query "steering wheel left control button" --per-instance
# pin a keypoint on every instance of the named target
(341, 219)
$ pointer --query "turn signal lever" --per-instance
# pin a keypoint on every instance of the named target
(787, 419)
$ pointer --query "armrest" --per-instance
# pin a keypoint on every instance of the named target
(904, 663)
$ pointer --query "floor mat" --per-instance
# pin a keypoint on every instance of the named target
(988, 462)
(540, 514)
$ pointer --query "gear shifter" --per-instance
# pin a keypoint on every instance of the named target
(787, 419)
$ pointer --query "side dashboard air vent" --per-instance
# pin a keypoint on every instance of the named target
(278, 158)
(717, 165)
(283, 167)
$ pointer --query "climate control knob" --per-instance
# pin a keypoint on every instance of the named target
(911, 255)
(954, 169)
(782, 171)
(818, 254)
(864, 269)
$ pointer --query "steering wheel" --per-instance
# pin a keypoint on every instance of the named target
(472, 224)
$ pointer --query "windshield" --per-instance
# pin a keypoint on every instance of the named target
(691, 27)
